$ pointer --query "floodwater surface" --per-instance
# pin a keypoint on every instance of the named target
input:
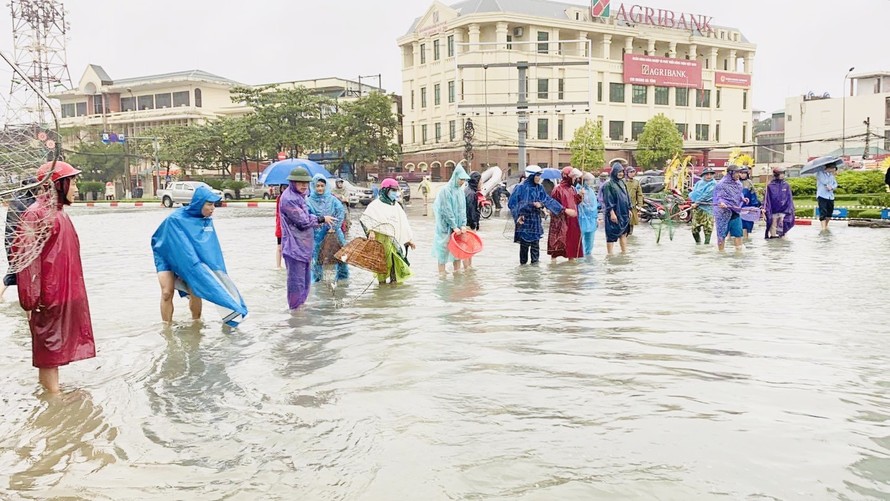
(673, 372)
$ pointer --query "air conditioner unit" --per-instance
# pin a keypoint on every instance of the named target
(517, 32)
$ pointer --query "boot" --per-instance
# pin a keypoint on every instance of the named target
(697, 236)
(707, 238)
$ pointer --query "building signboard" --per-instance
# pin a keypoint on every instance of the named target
(724, 79)
(638, 14)
(662, 71)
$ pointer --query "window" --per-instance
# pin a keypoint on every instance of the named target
(81, 108)
(127, 104)
(886, 139)
(509, 42)
(636, 128)
(543, 88)
(423, 53)
(788, 117)
(436, 53)
(437, 94)
(662, 95)
(718, 98)
(197, 98)
(638, 94)
(616, 130)
(725, 63)
(163, 101)
(702, 132)
(449, 42)
(702, 98)
(543, 126)
(543, 39)
(561, 88)
(438, 129)
(146, 102)
(707, 64)
(682, 97)
(452, 130)
(745, 100)
(616, 92)
(423, 136)
(560, 129)
(451, 91)
(744, 133)
(98, 103)
(68, 110)
(599, 92)
(683, 129)
(717, 133)
(179, 99)
(412, 99)
(423, 97)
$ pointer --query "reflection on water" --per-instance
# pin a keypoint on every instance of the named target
(671, 372)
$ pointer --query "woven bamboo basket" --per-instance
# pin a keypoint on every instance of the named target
(327, 254)
(365, 254)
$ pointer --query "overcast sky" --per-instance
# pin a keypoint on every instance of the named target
(802, 45)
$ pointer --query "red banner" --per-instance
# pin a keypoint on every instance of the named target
(661, 71)
(723, 79)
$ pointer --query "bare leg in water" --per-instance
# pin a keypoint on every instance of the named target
(49, 379)
(167, 280)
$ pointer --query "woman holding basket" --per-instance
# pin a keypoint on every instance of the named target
(385, 221)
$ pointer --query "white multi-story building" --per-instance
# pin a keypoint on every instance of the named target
(822, 125)
(619, 65)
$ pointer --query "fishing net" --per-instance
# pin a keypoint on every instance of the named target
(29, 138)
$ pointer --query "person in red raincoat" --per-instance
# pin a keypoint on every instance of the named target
(52, 289)
(564, 239)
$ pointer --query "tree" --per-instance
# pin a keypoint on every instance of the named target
(365, 130)
(588, 150)
(659, 142)
(98, 162)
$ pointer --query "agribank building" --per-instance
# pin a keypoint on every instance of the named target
(616, 63)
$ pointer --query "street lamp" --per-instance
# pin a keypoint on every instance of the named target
(844, 114)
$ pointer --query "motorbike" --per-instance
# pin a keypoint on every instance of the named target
(485, 206)
(674, 206)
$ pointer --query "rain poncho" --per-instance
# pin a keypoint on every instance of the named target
(750, 193)
(778, 200)
(728, 191)
(326, 204)
(450, 210)
(588, 211)
(564, 238)
(389, 223)
(635, 194)
(426, 188)
(472, 191)
(297, 243)
(14, 212)
(53, 290)
(521, 204)
(615, 198)
(186, 244)
(703, 193)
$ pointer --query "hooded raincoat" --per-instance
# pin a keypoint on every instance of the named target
(729, 192)
(53, 290)
(186, 244)
(749, 192)
(703, 193)
(521, 204)
(588, 211)
(616, 198)
(472, 193)
(778, 200)
(322, 205)
(297, 243)
(564, 238)
(450, 210)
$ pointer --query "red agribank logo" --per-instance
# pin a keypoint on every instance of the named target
(661, 71)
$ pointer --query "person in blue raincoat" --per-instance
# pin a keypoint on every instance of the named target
(588, 211)
(188, 258)
(525, 204)
(322, 202)
(702, 196)
(750, 199)
(616, 209)
(450, 211)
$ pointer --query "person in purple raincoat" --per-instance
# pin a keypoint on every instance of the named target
(778, 205)
(298, 236)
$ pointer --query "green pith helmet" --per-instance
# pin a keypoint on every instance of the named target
(299, 174)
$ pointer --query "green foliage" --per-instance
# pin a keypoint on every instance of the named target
(859, 182)
(659, 142)
(215, 183)
(880, 200)
(98, 162)
(91, 187)
(234, 184)
(588, 150)
(801, 186)
(365, 130)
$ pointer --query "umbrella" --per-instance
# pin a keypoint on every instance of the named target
(551, 173)
(277, 172)
(819, 164)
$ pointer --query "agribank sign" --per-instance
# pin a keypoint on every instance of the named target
(637, 14)
(661, 71)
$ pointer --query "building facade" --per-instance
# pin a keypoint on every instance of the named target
(619, 66)
(824, 125)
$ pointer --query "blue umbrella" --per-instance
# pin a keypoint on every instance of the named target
(819, 164)
(277, 172)
(551, 173)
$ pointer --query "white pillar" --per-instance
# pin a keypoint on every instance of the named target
(416, 52)
(501, 35)
(693, 52)
(714, 51)
(607, 46)
(583, 49)
(673, 51)
(651, 48)
(733, 60)
(629, 45)
(749, 63)
(474, 37)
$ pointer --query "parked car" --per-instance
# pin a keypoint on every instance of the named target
(254, 191)
(356, 193)
(651, 183)
(406, 191)
(181, 192)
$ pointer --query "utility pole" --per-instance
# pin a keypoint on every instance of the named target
(867, 123)
(522, 111)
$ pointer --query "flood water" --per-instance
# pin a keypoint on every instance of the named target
(673, 372)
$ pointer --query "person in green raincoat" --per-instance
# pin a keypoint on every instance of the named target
(450, 211)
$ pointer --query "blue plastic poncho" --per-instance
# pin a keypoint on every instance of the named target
(703, 193)
(187, 244)
(615, 198)
(450, 209)
(521, 204)
(326, 204)
(588, 211)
